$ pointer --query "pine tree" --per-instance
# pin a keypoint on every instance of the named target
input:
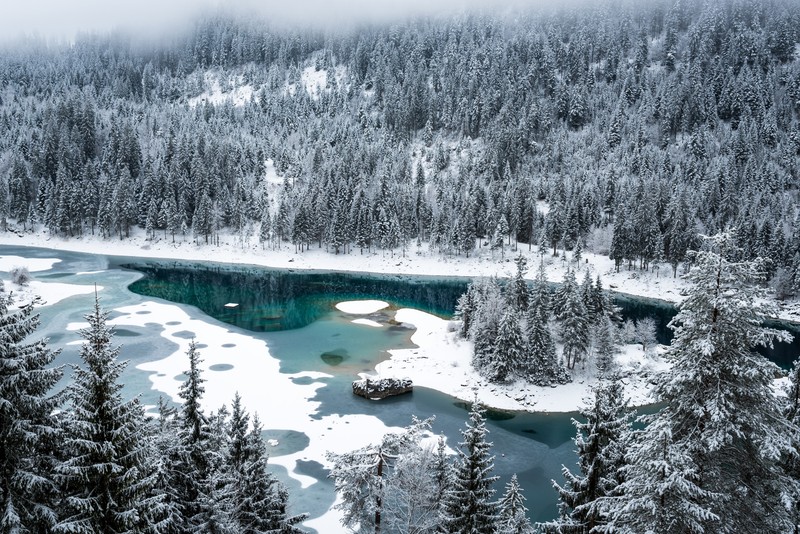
(361, 476)
(108, 477)
(513, 513)
(517, 293)
(573, 323)
(261, 504)
(541, 362)
(509, 350)
(166, 449)
(600, 447)
(27, 426)
(791, 461)
(540, 293)
(720, 416)
(192, 463)
(661, 490)
(468, 508)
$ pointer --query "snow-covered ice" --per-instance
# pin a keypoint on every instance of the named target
(33, 264)
(367, 322)
(49, 292)
(361, 307)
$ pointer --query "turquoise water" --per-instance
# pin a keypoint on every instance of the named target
(294, 313)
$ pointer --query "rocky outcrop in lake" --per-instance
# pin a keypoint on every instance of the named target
(381, 388)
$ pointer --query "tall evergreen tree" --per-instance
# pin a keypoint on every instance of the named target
(108, 477)
(508, 359)
(721, 422)
(513, 518)
(27, 426)
(193, 463)
(468, 505)
(600, 443)
(517, 293)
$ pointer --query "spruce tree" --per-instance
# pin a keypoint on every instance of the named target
(791, 461)
(517, 293)
(192, 462)
(468, 505)
(720, 416)
(261, 502)
(573, 322)
(600, 447)
(108, 477)
(541, 364)
(661, 489)
(513, 517)
(27, 426)
(509, 349)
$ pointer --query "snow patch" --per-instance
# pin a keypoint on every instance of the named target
(236, 92)
(367, 322)
(361, 307)
(49, 292)
(33, 264)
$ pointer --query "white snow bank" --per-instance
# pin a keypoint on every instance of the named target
(33, 264)
(442, 362)
(368, 322)
(361, 307)
(49, 292)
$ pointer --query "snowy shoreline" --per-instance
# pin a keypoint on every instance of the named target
(441, 361)
(416, 261)
(657, 284)
(450, 371)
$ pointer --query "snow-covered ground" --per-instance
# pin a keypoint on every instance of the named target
(235, 92)
(441, 361)
(49, 292)
(415, 260)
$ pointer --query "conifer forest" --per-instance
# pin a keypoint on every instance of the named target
(656, 133)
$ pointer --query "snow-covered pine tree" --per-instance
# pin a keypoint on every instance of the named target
(541, 364)
(563, 293)
(600, 443)
(605, 345)
(108, 477)
(361, 476)
(218, 485)
(468, 505)
(508, 359)
(260, 500)
(573, 322)
(660, 492)
(791, 461)
(586, 291)
(192, 463)
(517, 293)
(27, 426)
(166, 449)
(720, 416)
(540, 293)
(486, 323)
(442, 472)
(513, 517)
(465, 310)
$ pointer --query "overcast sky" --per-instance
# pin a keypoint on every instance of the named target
(63, 18)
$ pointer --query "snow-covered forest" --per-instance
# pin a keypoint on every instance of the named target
(624, 129)
(632, 130)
